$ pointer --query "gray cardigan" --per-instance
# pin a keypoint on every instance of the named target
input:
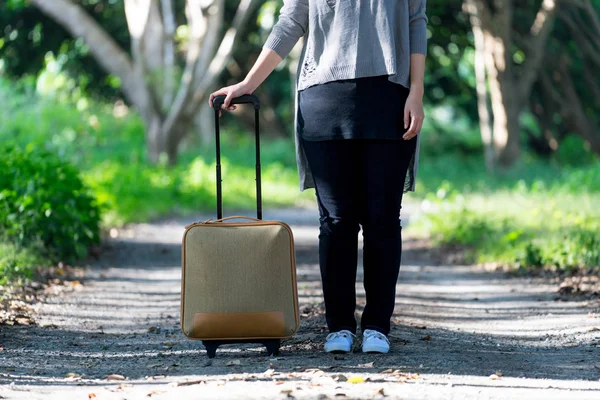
(347, 39)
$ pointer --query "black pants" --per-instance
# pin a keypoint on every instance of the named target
(359, 182)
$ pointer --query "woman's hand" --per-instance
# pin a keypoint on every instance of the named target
(413, 113)
(231, 92)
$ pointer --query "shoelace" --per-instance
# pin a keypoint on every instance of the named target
(335, 335)
(377, 335)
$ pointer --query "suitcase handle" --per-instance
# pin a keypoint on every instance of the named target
(245, 99)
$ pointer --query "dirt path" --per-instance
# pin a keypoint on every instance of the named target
(455, 327)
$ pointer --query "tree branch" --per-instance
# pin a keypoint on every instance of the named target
(591, 12)
(106, 51)
(583, 42)
(223, 55)
(539, 32)
(169, 52)
(575, 109)
(137, 14)
(196, 11)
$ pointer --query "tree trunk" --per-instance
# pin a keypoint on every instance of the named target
(485, 125)
(205, 124)
(154, 137)
(492, 29)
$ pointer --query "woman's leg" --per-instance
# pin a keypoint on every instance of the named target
(334, 167)
(386, 163)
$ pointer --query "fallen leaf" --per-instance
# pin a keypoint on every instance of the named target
(73, 375)
(380, 392)
(406, 376)
(314, 371)
(279, 382)
(234, 362)
(92, 396)
(286, 391)
(152, 393)
(115, 377)
(426, 338)
(356, 379)
(495, 377)
(189, 383)
(367, 365)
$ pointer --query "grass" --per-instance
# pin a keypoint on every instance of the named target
(549, 218)
(17, 262)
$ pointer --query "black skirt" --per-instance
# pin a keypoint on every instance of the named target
(361, 108)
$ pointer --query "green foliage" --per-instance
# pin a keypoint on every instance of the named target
(17, 262)
(140, 191)
(44, 205)
(547, 219)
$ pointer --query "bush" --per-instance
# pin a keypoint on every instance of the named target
(17, 261)
(44, 205)
(530, 228)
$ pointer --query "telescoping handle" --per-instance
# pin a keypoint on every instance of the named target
(217, 103)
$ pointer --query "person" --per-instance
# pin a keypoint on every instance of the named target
(359, 112)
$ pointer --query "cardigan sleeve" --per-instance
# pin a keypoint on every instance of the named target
(417, 26)
(290, 27)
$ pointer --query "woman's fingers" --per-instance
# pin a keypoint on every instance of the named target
(416, 123)
(215, 94)
(411, 128)
(227, 101)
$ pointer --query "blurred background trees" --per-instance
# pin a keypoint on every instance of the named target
(119, 88)
(499, 58)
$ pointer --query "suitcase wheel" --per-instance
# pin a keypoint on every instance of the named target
(272, 345)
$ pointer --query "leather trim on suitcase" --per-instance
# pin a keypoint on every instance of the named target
(239, 325)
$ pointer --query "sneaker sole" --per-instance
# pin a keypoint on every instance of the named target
(375, 350)
(337, 350)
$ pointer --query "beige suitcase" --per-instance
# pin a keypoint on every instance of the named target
(238, 274)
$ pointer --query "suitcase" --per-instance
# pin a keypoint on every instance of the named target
(238, 282)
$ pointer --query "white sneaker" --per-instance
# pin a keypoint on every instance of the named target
(375, 342)
(339, 342)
